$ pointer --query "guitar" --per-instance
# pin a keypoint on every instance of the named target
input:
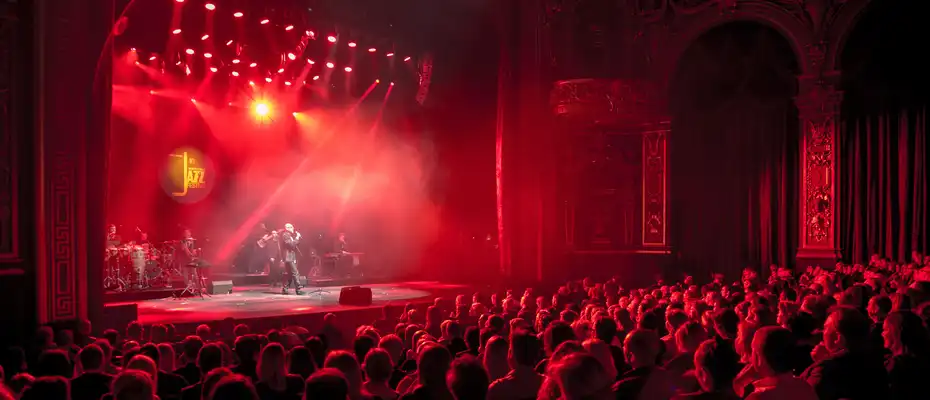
(264, 240)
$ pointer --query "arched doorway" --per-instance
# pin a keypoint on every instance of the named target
(883, 148)
(733, 151)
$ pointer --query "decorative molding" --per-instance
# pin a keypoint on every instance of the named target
(9, 161)
(607, 101)
(818, 107)
(655, 203)
(62, 248)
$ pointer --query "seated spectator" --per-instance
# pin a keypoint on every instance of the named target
(20, 382)
(247, 349)
(346, 363)
(211, 379)
(48, 388)
(395, 348)
(522, 382)
(54, 363)
(209, 358)
(844, 367)
(190, 371)
(494, 358)
(645, 380)
(431, 372)
(326, 384)
(581, 376)
(92, 382)
(467, 379)
(715, 366)
(300, 362)
(166, 357)
(274, 382)
(233, 387)
(378, 369)
(906, 339)
(168, 385)
(772, 361)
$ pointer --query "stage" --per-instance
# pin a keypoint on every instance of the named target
(257, 302)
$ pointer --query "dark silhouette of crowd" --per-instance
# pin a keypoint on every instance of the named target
(844, 332)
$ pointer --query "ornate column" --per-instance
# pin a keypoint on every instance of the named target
(818, 105)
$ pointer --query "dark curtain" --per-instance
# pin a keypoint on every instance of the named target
(733, 152)
(734, 187)
(883, 186)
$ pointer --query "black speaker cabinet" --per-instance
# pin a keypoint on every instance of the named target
(219, 287)
(355, 296)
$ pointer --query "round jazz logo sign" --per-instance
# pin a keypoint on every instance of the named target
(188, 175)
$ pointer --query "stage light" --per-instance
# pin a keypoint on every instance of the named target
(280, 70)
(288, 83)
(261, 109)
(291, 56)
(152, 58)
(137, 63)
(193, 101)
(133, 49)
(176, 31)
(189, 52)
(316, 77)
(268, 80)
(213, 69)
(392, 83)
(348, 69)
(265, 21)
(253, 65)
(238, 14)
(312, 34)
(204, 37)
(390, 54)
(210, 6)
(331, 38)
(187, 69)
(294, 114)
(207, 55)
(179, 1)
(229, 43)
(229, 104)
(407, 58)
(289, 28)
(372, 49)
(235, 61)
(377, 81)
(151, 92)
(234, 73)
(352, 44)
(311, 62)
(330, 65)
(251, 83)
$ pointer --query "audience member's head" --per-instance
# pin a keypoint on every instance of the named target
(716, 364)
(904, 333)
(54, 363)
(191, 346)
(211, 379)
(300, 362)
(581, 376)
(772, 351)
(433, 365)
(467, 379)
(394, 346)
(48, 388)
(91, 359)
(346, 363)
(326, 384)
(247, 348)
(641, 348)
(209, 358)
(233, 387)
(378, 365)
(556, 333)
(133, 385)
(524, 350)
(846, 329)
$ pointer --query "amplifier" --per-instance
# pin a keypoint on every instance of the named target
(355, 296)
(219, 287)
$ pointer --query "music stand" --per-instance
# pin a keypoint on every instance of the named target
(195, 285)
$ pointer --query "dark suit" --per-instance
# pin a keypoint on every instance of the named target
(289, 243)
(849, 375)
(90, 386)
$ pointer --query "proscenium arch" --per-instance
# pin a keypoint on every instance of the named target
(793, 30)
(839, 30)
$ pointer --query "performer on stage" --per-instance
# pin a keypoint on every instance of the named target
(341, 246)
(112, 237)
(289, 241)
(186, 256)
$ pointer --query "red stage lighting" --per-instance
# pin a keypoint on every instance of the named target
(289, 27)
(291, 56)
(390, 54)
(316, 77)
(280, 70)
(392, 83)
(377, 81)
(133, 49)
(372, 49)
(207, 55)
(251, 83)
(189, 51)
(311, 34)
(213, 69)
(235, 61)
(137, 63)
(294, 114)
(179, 1)
(210, 6)
(151, 92)
(331, 38)
(176, 31)
(187, 69)
(238, 14)
(234, 73)
(407, 58)
(253, 65)
(204, 37)
(229, 43)
(265, 21)
(348, 69)
(288, 83)
(193, 101)
(330, 65)
(261, 109)
(152, 58)
(311, 62)
(352, 44)
(268, 80)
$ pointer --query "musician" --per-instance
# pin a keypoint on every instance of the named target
(290, 239)
(112, 237)
(187, 255)
(341, 246)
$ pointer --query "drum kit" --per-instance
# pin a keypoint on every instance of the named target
(141, 266)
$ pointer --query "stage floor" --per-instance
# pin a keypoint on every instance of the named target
(262, 301)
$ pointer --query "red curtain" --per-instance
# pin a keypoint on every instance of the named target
(883, 186)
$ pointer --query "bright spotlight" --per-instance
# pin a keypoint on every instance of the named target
(235, 61)
(193, 101)
(189, 52)
(289, 28)
(372, 49)
(331, 38)
(348, 69)
(392, 83)
(311, 62)
(352, 44)
(265, 21)
(176, 31)
(151, 92)
(213, 69)
(377, 81)
(291, 56)
(204, 37)
(390, 54)
(238, 14)
(253, 65)
(234, 73)
(407, 58)
(294, 114)
(210, 6)
(268, 80)
(330, 65)
(262, 109)
(207, 55)
(316, 77)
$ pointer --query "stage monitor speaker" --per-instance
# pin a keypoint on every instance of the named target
(355, 296)
(219, 287)
(119, 316)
